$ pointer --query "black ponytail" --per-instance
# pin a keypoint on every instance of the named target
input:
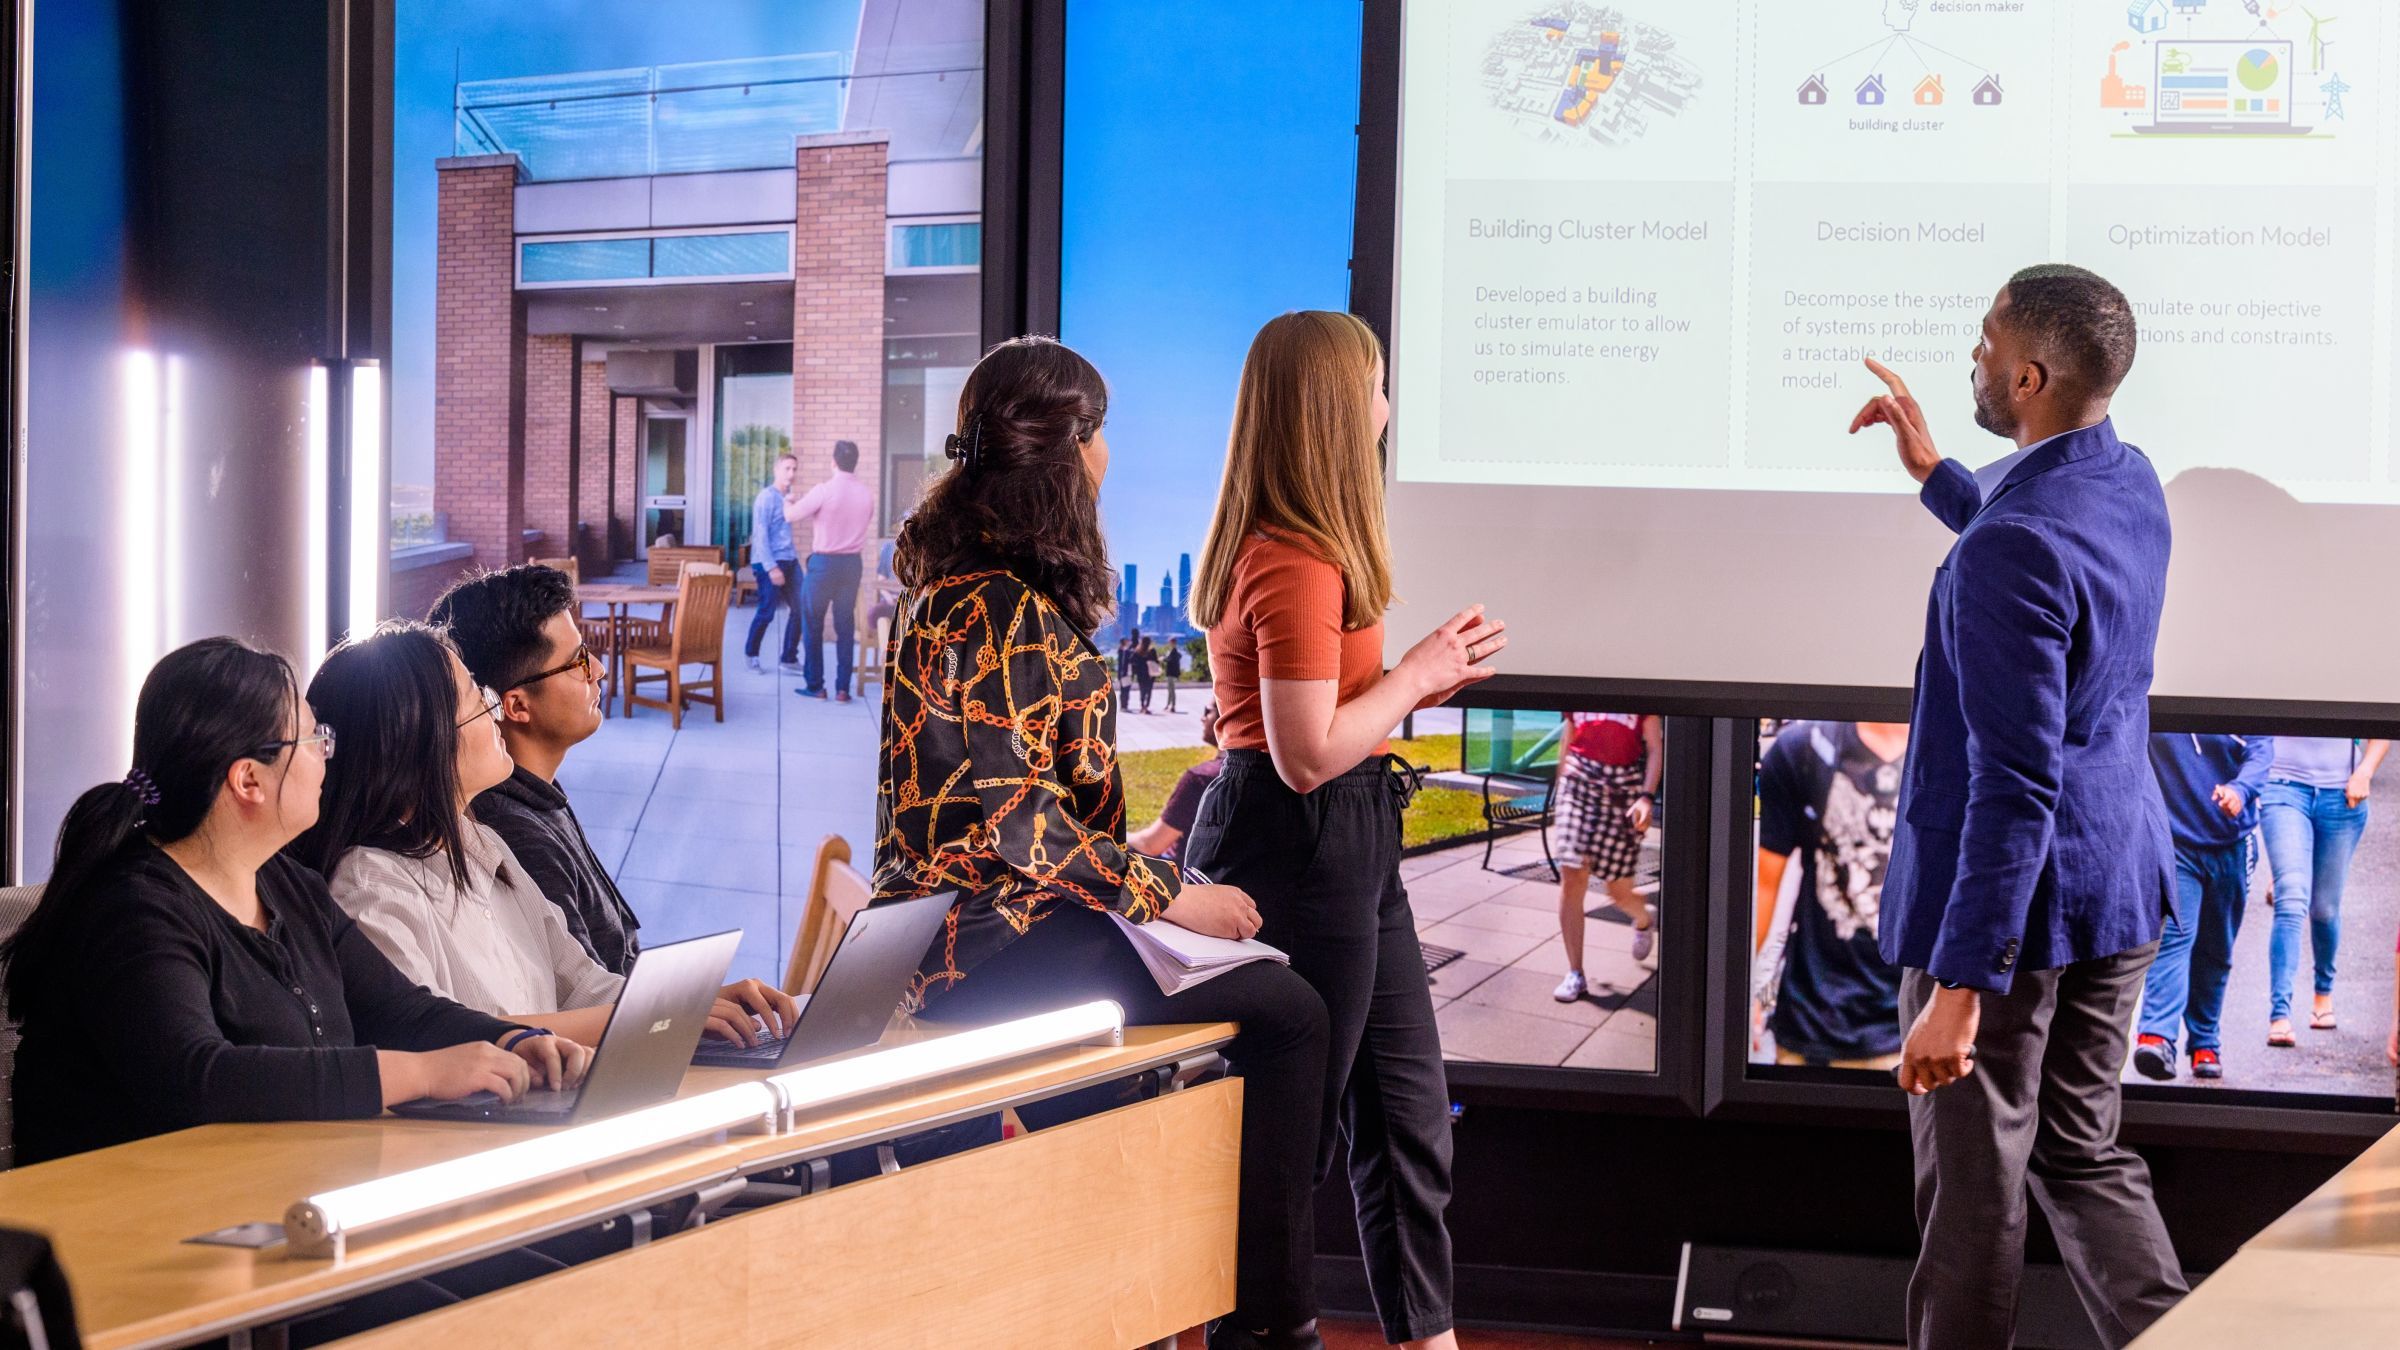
(203, 707)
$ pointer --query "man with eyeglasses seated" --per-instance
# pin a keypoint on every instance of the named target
(516, 632)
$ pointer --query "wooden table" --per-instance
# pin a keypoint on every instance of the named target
(2326, 1275)
(118, 1216)
(1115, 1231)
(618, 598)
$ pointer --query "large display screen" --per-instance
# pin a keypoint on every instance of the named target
(1643, 251)
(2279, 964)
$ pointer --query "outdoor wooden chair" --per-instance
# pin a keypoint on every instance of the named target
(570, 566)
(695, 638)
(745, 581)
(666, 564)
(837, 891)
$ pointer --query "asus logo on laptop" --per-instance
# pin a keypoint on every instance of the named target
(661, 1025)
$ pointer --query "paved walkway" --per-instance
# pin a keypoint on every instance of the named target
(1493, 1003)
(716, 826)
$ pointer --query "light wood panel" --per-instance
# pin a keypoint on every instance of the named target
(1113, 1231)
(2356, 1212)
(119, 1215)
(2267, 1298)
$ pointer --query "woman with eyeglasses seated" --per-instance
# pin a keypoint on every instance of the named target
(238, 991)
(434, 888)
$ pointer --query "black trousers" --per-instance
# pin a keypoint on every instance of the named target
(2038, 1115)
(1076, 954)
(1325, 871)
(1145, 679)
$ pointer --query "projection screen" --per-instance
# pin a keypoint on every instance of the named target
(1641, 251)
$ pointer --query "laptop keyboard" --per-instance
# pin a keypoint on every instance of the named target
(764, 1052)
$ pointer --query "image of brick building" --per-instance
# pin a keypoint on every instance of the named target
(650, 283)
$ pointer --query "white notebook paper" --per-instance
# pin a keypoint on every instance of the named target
(1179, 958)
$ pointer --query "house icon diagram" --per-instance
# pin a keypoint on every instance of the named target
(1870, 91)
(1929, 92)
(1987, 94)
(2146, 16)
(1812, 92)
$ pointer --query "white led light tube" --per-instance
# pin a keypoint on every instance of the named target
(1102, 1022)
(321, 1224)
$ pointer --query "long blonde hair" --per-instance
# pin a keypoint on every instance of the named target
(1302, 461)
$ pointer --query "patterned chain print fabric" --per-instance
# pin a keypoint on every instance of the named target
(999, 773)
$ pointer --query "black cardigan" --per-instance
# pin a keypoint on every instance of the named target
(170, 1014)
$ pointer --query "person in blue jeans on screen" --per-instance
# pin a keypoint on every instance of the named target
(2313, 813)
(2211, 785)
(777, 564)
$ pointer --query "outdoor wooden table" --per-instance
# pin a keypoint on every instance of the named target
(618, 598)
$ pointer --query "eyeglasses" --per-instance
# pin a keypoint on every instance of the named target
(323, 737)
(490, 709)
(584, 662)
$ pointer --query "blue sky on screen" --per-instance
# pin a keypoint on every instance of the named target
(437, 41)
(1210, 165)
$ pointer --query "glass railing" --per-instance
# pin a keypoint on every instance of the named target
(699, 117)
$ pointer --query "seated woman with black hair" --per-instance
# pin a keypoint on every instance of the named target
(238, 991)
(434, 888)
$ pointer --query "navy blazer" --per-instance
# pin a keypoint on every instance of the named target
(2032, 832)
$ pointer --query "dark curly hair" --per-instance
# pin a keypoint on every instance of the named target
(495, 621)
(1025, 501)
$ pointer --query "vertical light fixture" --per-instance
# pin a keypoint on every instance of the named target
(315, 602)
(171, 507)
(141, 453)
(367, 552)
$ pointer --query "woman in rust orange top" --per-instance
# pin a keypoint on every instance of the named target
(1306, 813)
(1000, 781)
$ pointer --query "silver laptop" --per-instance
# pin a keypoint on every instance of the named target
(860, 990)
(642, 1053)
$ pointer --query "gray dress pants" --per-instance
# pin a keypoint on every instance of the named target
(2038, 1114)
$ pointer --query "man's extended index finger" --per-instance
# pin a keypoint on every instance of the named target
(1891, 381)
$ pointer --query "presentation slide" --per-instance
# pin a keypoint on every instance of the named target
(1644, 249)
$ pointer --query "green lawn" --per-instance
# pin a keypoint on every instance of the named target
(1437, 813)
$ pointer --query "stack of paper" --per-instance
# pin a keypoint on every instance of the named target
(1179, 958)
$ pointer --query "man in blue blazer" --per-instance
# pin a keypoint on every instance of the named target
(2031, 871)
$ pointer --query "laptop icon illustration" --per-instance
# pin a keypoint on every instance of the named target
(2212, 87)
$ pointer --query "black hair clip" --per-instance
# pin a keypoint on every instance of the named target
(967, 449)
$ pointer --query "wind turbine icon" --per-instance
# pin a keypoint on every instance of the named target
(2316, 40)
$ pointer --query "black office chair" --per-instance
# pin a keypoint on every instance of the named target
(36, 1310)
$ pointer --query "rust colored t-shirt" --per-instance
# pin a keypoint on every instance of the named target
(1283, 621)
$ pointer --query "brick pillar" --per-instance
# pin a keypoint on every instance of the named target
(549, 427)
(598, 549)
(479, 359)
(837, 307)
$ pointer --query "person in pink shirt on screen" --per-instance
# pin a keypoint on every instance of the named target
(843, 510)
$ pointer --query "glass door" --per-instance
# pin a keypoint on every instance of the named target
(753, 429)
(666, 449)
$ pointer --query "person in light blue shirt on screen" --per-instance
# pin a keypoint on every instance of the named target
(777, 565)
(2312, 815)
